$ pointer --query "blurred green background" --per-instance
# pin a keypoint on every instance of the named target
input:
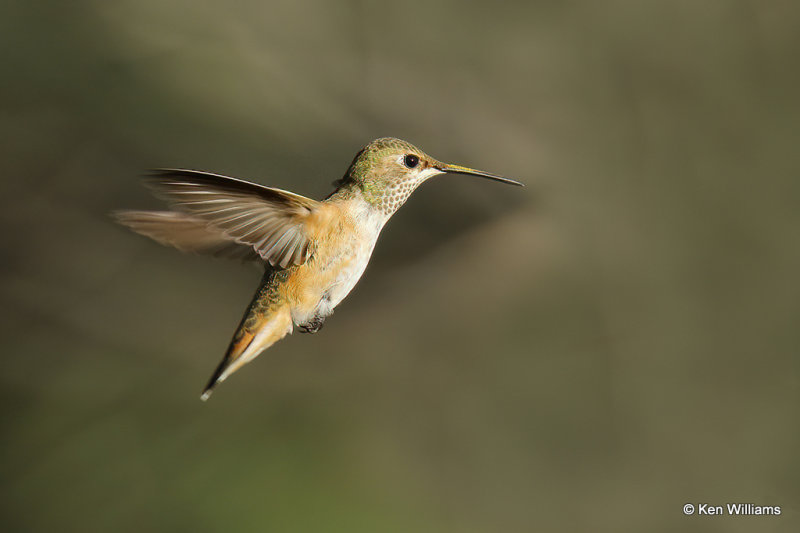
(585, 354)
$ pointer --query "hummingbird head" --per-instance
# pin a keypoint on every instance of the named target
(388, 170)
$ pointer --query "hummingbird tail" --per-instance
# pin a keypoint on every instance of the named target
(263, 325)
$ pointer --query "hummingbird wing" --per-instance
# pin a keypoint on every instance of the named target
(185, 232)
(271, 221)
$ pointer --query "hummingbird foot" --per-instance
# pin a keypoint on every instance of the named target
(312, 326)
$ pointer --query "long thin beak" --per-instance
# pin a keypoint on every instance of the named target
(458, 169)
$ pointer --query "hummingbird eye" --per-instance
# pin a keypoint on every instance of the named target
(411, 160)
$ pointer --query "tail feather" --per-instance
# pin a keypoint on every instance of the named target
(226, 363)
(262, 326)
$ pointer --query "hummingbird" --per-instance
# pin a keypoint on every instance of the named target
(313, 252)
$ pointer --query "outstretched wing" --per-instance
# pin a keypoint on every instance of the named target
(269, 220)
(185, 232)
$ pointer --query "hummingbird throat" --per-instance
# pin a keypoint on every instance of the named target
(389, 193)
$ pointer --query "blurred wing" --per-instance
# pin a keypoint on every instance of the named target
(185, 232)
(270, 220)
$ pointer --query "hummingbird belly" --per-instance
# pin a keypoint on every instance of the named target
(318, 286)
(349, 275)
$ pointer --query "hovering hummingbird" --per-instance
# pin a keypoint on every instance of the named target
(313, 251)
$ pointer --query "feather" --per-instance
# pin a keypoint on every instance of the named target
(271, 221)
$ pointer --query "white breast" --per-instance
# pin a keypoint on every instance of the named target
(357, 253)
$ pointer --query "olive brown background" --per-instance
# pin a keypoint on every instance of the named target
(589, 353)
